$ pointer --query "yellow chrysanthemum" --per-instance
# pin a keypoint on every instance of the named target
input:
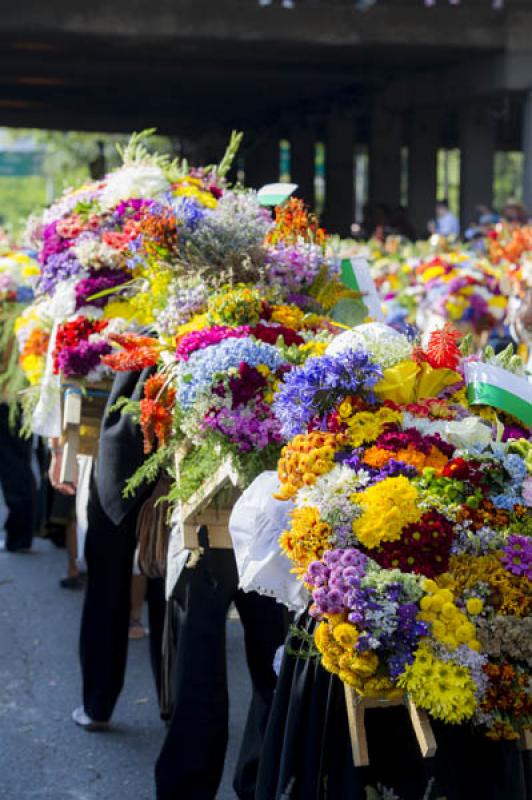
(444, 689)
(388, 507)
(306, 539)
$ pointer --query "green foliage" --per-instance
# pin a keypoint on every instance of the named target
(230, 154)
(308, 649)
(149, 470)
(198, 465)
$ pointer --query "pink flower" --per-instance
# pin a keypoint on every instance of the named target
(527, 491)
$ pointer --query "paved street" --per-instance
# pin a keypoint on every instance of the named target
(42, 754)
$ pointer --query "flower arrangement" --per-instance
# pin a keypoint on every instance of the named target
(221, 376)
(18, 275)
(411, 527)
(466, 293)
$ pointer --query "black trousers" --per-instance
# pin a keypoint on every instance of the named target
(191, 761)
(18, 484)
(109, 551)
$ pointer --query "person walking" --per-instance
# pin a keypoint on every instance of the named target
(109, 552)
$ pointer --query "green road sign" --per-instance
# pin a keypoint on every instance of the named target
(20, 162)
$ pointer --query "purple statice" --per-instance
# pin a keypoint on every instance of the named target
(517, 556)
(463, 656)
(86, 356)
(98, 281)
(58, 268)
(188, 213)
(479, 542)
(310, 391)
(294, 266)
(250, 427)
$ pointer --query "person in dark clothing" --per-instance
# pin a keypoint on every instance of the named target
(191, 761)
(109, 552)
(18, 484)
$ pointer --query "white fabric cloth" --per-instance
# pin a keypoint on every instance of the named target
(177, 555)
(82, 498)
(46, 419)
(255, 525)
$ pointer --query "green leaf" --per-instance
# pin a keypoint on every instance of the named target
(349, 311)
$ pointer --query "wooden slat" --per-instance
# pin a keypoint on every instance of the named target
(356, 708)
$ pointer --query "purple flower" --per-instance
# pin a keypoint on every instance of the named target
(100, 281)
(308, 392)
(58, 267)
(80, 360)
(517, 556)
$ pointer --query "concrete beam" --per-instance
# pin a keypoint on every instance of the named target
(477, 156)
(527, 150)
(422, 169)
(385, 155)
(190, 21)
(303, 162)
(262, 160)
(338, 214)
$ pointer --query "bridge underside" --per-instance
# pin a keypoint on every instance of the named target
(397, 75)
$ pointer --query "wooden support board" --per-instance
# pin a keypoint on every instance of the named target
(356, 708)
(82, 417)
(210, 506)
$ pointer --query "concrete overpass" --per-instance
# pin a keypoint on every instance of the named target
(398, 75)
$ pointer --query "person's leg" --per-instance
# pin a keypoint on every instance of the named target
(138, 595)
(156, 613)
(265, 627)
(105, 619)
(191, 761)
(73, 579)
(18, 485)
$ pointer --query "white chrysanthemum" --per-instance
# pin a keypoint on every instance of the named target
(93, 253)
(385, 345)
(136, 181)
(331, 493)
(62, 304)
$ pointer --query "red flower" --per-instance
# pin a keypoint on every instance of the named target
(156, 412)
(138, 352)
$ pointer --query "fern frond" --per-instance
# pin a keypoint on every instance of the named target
(148, 472)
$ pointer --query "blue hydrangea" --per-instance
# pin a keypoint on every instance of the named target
(208, 366)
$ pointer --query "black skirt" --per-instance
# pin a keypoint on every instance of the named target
(307, 749)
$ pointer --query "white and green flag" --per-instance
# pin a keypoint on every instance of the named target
(492, 386)
(274, 194)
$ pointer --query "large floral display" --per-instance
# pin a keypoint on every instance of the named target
(411, 527)
(18, 275)
(235, 300)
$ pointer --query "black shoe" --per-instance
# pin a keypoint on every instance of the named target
(72, 582)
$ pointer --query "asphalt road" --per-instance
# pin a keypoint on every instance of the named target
(43, 755)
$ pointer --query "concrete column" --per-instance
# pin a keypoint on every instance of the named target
(386, 130)
(422, 168)
(477, 160)
(527, 150)
(261, 161)
(302, 162)
(338, 214)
